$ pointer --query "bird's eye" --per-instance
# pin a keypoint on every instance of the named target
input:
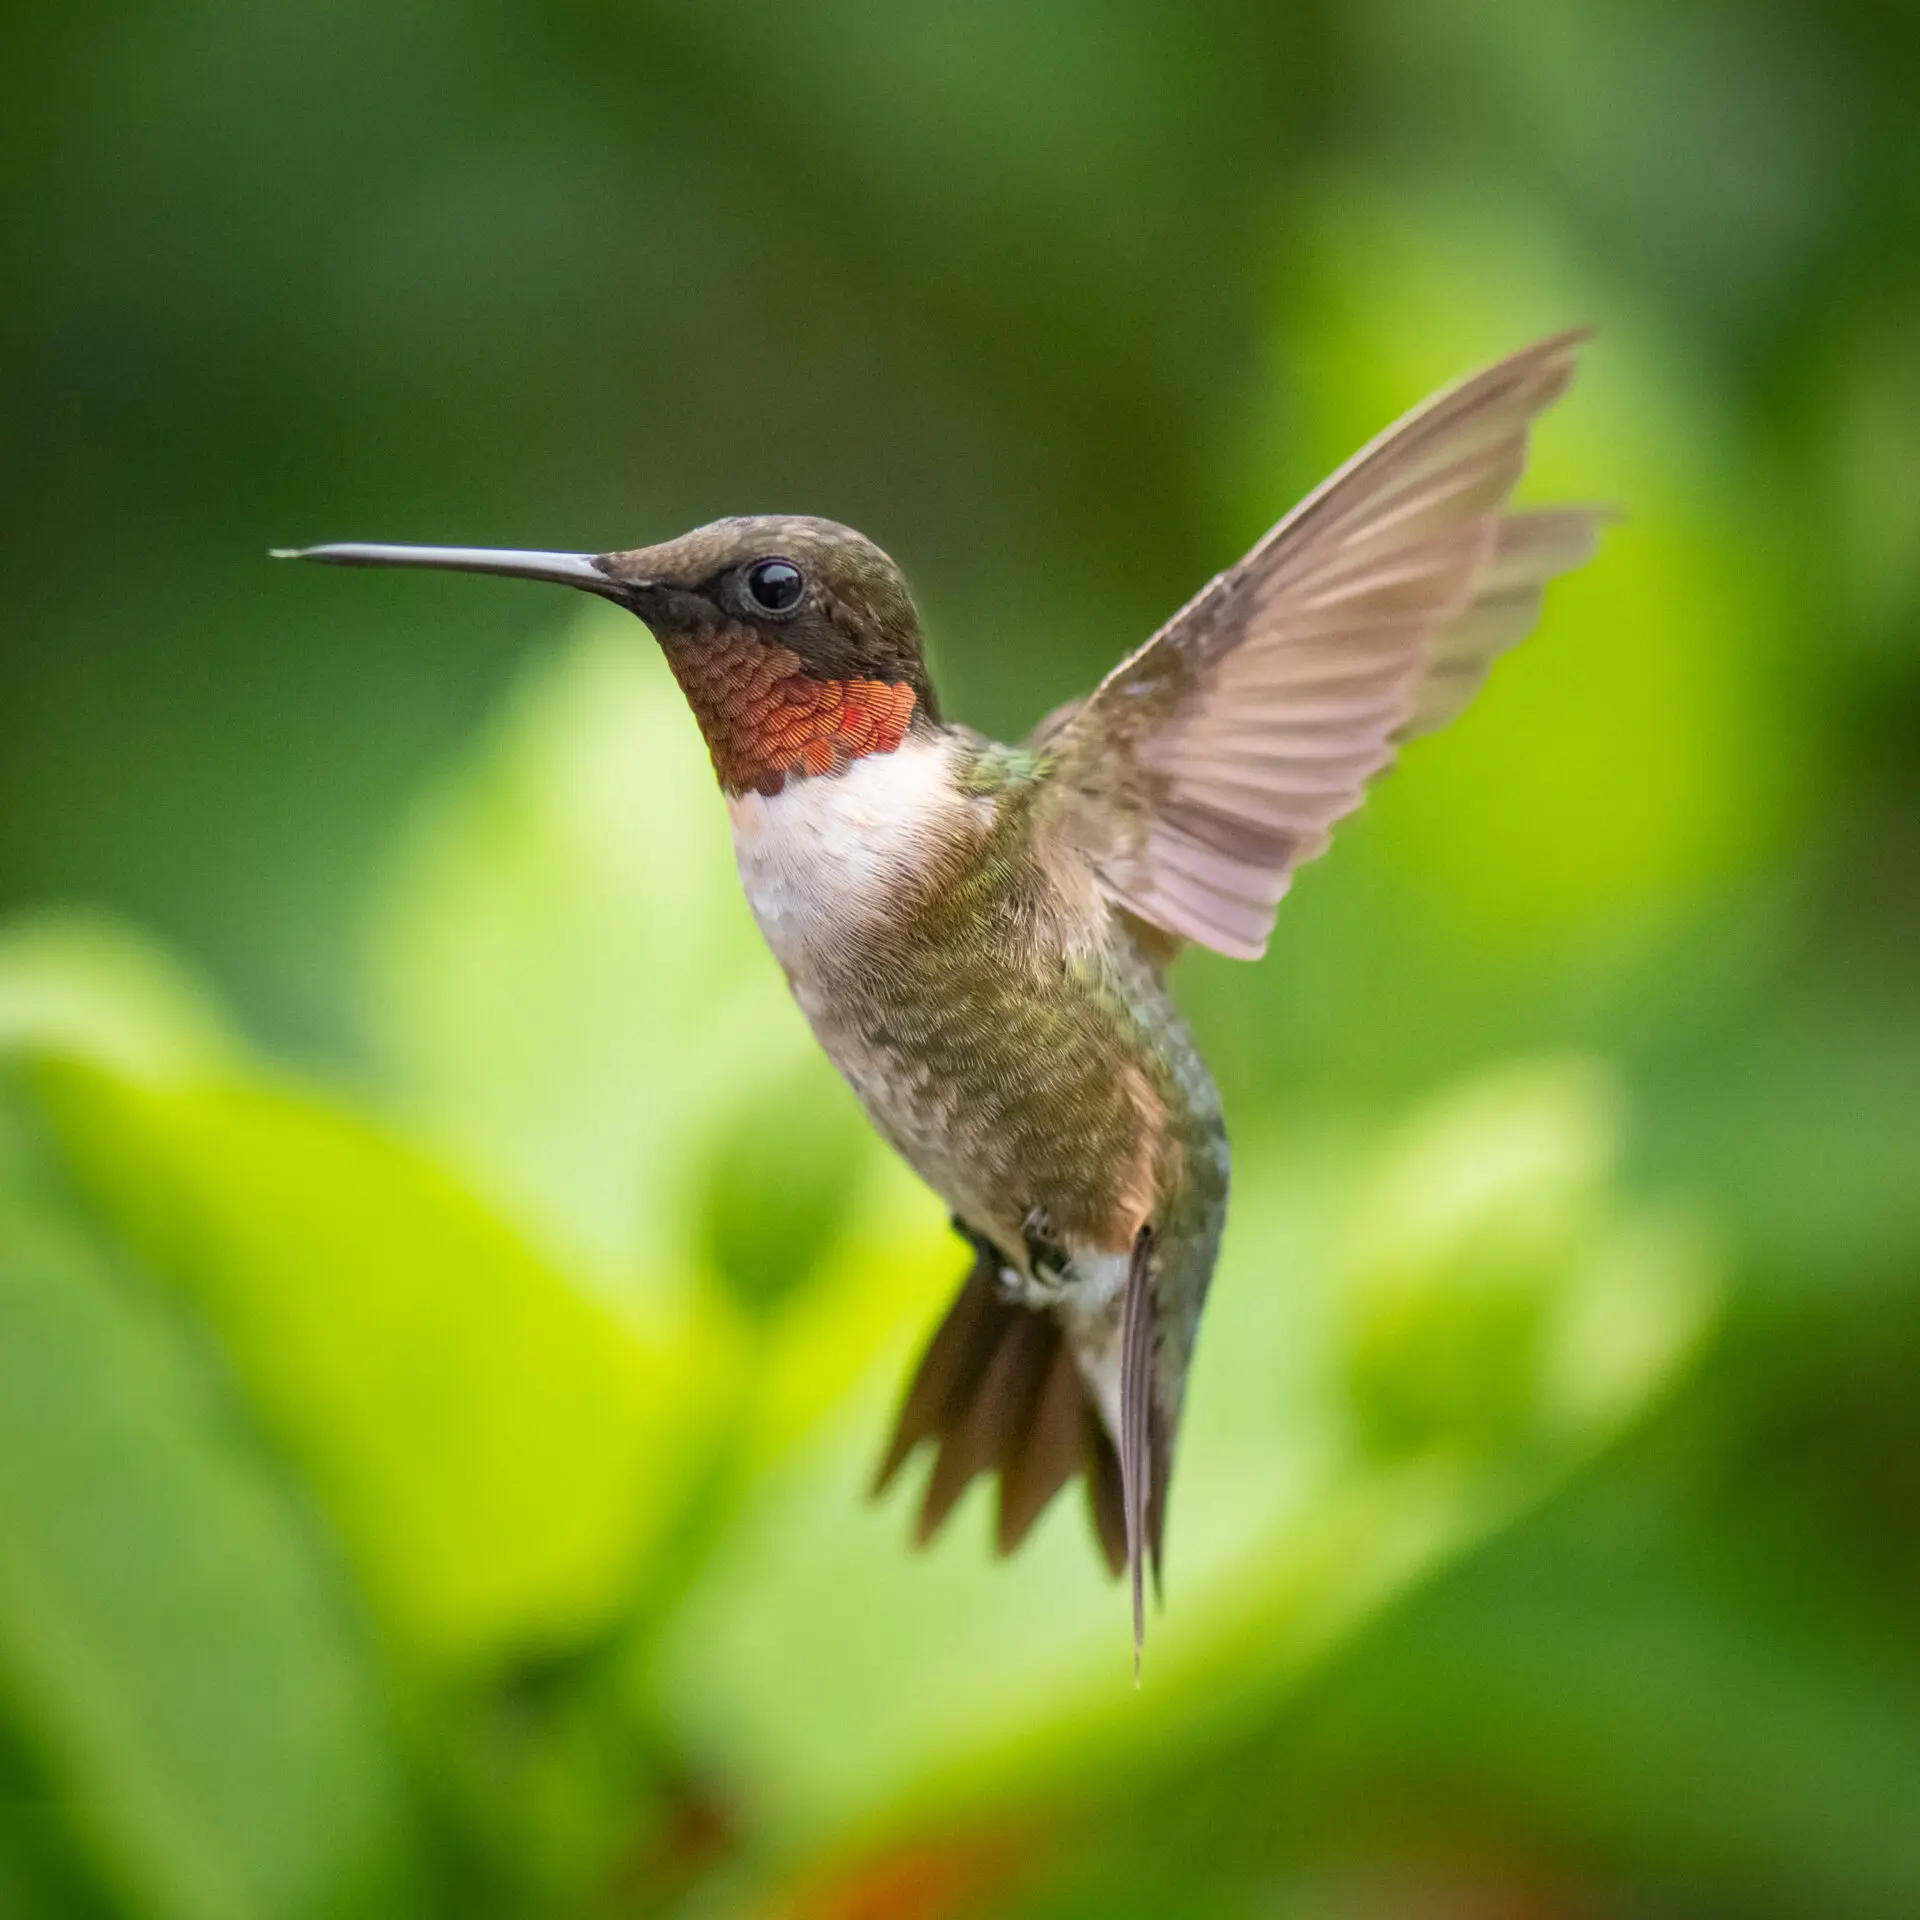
(775, 586)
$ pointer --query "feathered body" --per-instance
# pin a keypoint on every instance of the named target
(1012, 1038)
(979, 933)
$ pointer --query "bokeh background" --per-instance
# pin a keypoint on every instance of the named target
(448, 1313)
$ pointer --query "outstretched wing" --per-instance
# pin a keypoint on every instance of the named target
(1208, 765)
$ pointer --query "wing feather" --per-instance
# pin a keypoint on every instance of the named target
(1215, 760)
(1530, 549)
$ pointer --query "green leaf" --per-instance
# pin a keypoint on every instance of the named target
(173, 1658)
(782, 1183)
(81, 983)
(496, 1449)
(1489, 1286)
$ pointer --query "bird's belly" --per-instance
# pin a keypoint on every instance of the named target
(826, 865)
(1032, 1132)
(1005, 1069)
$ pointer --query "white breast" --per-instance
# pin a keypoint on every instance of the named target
(827, 853)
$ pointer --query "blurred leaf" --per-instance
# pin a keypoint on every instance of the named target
(1651, 1670)
(1490, 1282)
(883, 1682)
(566, 983)
(1872, 506)
(495, 1448)
(171, 1652)
(72, 982)
(782, 1181)
(1800, 1116)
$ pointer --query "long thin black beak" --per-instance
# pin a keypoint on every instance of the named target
(564, 569)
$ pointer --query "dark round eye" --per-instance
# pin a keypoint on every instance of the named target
(775, 586)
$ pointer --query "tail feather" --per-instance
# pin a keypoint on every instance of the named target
(951, 1368)
(992, 1428)
(997, 1390)
(1141, 1480)
(1106, 1492)
(1048, 1453)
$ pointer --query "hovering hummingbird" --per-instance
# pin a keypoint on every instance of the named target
(979, 934)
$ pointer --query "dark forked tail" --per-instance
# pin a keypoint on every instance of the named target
(997, 1390)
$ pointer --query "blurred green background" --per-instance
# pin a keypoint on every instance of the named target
(447, 1310)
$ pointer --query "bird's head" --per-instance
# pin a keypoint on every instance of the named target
(794, 639)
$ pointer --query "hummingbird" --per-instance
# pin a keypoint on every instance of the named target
(979, 934)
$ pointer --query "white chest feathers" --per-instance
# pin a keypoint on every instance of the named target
(829, 853)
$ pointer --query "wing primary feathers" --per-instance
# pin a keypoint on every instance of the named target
(1369, 615)
(1531, 548)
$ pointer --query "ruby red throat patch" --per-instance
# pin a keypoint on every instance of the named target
(764, 718)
